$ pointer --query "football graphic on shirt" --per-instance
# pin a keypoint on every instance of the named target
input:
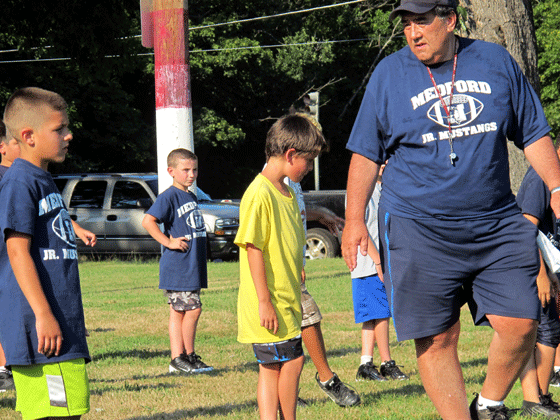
(62, 227)
(464, 110)
(195, 220)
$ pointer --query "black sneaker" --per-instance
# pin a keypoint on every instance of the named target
(547, 401)
(197, 364)
(390, 370)
(491, 413)
(339, 392)
(6, 381)
(368, 371)
(532, 409)
(179, 364)
(555, 379)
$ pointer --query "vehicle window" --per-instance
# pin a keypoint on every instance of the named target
(88, 194)
(153, 184)
(60, 183)
(130, 195)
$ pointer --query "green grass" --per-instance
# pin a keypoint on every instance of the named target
(127, 315)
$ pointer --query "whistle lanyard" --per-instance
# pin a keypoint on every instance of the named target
(452, 155)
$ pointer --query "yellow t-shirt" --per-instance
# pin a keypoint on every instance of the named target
(272, 223)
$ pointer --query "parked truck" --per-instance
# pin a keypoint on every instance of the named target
(325, 221)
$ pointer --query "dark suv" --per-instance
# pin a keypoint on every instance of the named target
(113, 206)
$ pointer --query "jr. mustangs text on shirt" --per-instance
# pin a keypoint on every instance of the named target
(463, 111)
(61, 227)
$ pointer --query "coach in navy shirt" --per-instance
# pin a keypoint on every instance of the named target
(441, 111)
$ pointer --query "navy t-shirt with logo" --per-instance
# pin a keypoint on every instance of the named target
(179, 213)
(30, 203)
(533, 198)
(402, 119)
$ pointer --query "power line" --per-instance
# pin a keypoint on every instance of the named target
(338, 41)
(313, 9)
(213, 25)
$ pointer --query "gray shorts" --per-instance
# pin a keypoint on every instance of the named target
(183, 301)
(311, 313)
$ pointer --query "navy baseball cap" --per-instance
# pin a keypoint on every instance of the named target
(420, 6)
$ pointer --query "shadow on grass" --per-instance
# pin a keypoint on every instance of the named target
(475, 362)
(102, 330)
(8, 402)
(319, 276)
(343, 351)
(409, 390)
(131, 388)
(221, 410)
(136, 354)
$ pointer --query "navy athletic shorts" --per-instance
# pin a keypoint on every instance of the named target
(280, 352)
(548, 332)
(434, 266)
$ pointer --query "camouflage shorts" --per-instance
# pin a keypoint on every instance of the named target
(183, 301)
(311, 313)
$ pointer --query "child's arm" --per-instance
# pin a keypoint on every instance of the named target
(374, 255)
(150, 224)
(86, 236)
(49, 334)
(267, 314)
(546, 285)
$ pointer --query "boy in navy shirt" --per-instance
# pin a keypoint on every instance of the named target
(44, 334)
(182, 267)
(9, 151)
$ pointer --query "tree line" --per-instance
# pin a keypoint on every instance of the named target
(243, 76)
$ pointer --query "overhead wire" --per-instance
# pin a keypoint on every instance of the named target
(217, 25)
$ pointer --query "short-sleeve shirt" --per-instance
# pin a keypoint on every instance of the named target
(272, 223)
(3, 170)
(533, 198)
(30, 203)
(402, 119)
(365, 266)
(178, 211)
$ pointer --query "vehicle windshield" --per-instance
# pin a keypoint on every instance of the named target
(202, 196)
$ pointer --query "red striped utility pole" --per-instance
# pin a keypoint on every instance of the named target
(165, 28)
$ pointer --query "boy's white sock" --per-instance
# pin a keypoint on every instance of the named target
(556, 368)
(365, 359)
(483, 403)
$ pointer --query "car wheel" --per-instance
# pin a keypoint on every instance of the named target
(320, 243)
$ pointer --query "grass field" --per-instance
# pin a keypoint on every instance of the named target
(127, 317)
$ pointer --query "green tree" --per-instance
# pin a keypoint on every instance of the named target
(547, 23)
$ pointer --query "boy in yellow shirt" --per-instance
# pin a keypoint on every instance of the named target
(270, 238)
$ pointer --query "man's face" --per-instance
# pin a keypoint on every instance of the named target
(429, 37)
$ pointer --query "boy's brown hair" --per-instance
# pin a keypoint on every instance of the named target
(295, 131)
(25, 107)
(178, 154)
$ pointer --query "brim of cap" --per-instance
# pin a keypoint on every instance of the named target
(412, 8)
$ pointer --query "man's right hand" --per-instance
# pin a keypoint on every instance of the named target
(355, 233)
